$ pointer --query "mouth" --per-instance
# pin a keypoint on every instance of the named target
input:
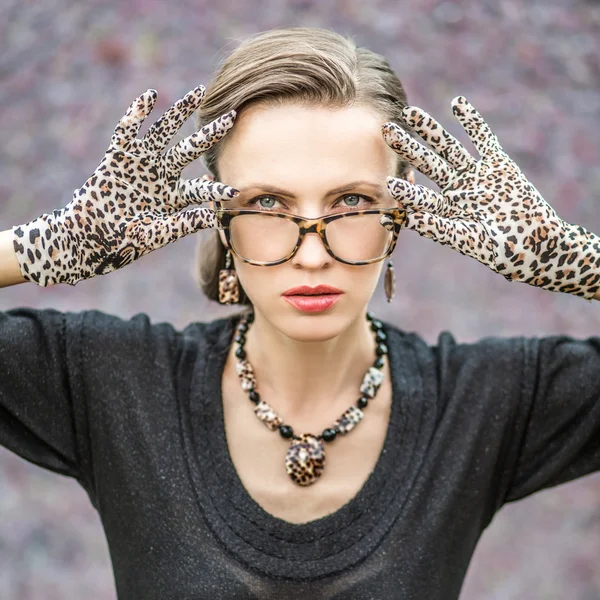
(319, 290)
(312, 300)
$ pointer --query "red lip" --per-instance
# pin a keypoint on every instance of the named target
(305, 290)
(313, 304)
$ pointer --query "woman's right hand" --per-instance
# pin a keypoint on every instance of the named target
(132, 204)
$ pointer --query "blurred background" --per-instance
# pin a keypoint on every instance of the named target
(68, 71)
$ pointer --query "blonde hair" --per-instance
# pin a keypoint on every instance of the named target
(311, 66)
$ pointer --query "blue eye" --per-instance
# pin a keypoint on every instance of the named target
(352, 204)
(354, 200)
(267, 200)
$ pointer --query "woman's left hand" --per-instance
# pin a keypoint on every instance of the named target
(487, 208)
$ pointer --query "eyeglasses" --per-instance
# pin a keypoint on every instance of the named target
(266, 239)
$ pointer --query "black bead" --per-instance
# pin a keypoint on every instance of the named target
(381, 349)
(240, 338)
(254, 396)
(378, 364)
(376, 324)
(242, 327)
(362, 402)
(329, 434)
(250, 317)
(240, 353)
(380, 336)
(369, 316)
(286, 431)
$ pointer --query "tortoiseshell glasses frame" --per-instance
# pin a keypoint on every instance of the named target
(397, 217)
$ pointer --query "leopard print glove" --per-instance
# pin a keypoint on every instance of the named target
(487, 208)
(132, 204)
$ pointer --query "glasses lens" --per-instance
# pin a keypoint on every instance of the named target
(360, 237)
(262, 238)
(269, 238)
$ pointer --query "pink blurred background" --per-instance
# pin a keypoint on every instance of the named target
(68, 71)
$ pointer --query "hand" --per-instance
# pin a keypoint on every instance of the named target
(132, 204)
(486, 208)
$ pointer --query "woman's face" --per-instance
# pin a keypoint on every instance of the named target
(305, 152)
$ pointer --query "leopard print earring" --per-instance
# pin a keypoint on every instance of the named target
(389, 281)
(229, 287)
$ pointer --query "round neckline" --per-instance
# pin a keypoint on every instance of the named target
(350, 511)
(267, 542)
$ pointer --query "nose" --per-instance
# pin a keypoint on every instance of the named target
(312, 254)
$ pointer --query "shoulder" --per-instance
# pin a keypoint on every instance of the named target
(142, 325)
(107, 345)
(109, 329)
(449, 357)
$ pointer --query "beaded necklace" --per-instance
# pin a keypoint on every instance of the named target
(305, 458)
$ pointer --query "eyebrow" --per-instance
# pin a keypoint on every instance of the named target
(339, 190)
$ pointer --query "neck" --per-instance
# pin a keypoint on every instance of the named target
(300, 378)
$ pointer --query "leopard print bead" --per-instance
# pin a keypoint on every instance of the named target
(268, 416)
(349, 420)
(305, 459)
(371, 381)
(246, 374)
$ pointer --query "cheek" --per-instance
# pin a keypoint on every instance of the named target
(260, 282)
(365, 279)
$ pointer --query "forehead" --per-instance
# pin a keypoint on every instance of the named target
(292, 140)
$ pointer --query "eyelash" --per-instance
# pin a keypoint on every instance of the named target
(254, 201)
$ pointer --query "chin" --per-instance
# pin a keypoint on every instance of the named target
(312, 327)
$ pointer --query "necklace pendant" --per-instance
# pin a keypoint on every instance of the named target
(305, 459)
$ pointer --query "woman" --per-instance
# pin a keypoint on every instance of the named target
(373, 461)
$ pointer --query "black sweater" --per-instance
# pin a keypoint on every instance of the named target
(132, 410)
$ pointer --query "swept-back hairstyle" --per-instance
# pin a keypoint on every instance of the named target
(311, 66)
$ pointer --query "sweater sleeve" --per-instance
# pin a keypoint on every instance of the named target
(558, 416)
(38, 416)
(515, 415)
(65, 376)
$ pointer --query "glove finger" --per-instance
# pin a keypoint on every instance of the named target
(477, 129)
(420, 198)
(190, 221)
(469, 237)
(195, 145)
(128, 127)
(442, 142)
(152, 232)
(478, 197)
(414, 221)
(429, 225)
(162, 131)
(195, 191)
(426, 161)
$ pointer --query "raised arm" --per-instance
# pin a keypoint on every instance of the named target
(133, 203)
(487, 208)
(10, 272)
